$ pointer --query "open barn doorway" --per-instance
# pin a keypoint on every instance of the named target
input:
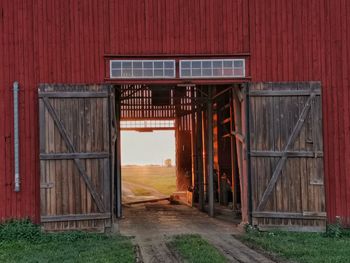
(148, 166)
(184, 110)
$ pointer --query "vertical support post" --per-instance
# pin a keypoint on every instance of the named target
(210, 152)
(16, 135)
(193, 138)
(204, 155)
(250, 197)
(200, 173)
(234, 168)
(118, 172)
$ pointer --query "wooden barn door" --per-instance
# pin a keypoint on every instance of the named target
(76, 156)
(286, 156)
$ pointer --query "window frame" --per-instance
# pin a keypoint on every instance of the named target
(132, 61)
(212, 68)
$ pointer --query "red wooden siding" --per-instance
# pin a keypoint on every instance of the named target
(44, 41)
(305, 40)
(48, 41)
(166, 27)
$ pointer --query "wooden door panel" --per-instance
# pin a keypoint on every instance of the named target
(75, 156)
(286, 155)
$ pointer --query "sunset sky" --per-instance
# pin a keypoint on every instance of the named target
(147, 148)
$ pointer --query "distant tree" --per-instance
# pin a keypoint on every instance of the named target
(168, 163)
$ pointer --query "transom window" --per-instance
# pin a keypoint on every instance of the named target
(142, 69)
(147, 124)
(212, 68)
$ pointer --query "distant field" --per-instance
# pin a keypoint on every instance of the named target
(163, 179)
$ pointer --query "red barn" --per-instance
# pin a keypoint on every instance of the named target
(260, 86)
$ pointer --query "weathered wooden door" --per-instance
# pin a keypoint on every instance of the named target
(286, 155)
(76, 156)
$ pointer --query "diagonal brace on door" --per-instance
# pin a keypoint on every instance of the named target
(72, 149)
(281, 163)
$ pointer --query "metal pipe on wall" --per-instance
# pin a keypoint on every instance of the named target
(16, 135)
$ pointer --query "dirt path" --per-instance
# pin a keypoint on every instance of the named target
(129, 196)
(153, 225)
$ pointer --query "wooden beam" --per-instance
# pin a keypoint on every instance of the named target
(200, 174)
(69, 156)
(238, 136)
(118, 165)
(220, 93)
(178, 56)
(210, 153)
(193, 140)
(287, 215)
(292, 154)
(85, 94)
(75, 217)
(148, 129)
(291, 228)
(281, 93)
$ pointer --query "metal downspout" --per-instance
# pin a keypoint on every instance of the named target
(16, 135)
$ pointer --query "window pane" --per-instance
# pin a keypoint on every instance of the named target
(207, 72)
(148, 64)
(239, 72)
(228, 64)
(217, 64)
(116, 65)
(126, 64)
(116, 73)
(217, 72)
(137, 65)
(207, 64)
(185, 64)
(238, 64)
(158, 72)
(148, 72)
(168, 65)
(137, 72)
(158, 65)
(228, 72)
(186, 72)
(169, 73)
(127, 72)
(196, 72)
(196, 64)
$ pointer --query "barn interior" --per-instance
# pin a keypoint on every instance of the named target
(208, 123)
(148, 168)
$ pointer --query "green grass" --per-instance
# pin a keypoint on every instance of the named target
(24, 242)
(194, 249)
(303, 247)
(160, 178)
